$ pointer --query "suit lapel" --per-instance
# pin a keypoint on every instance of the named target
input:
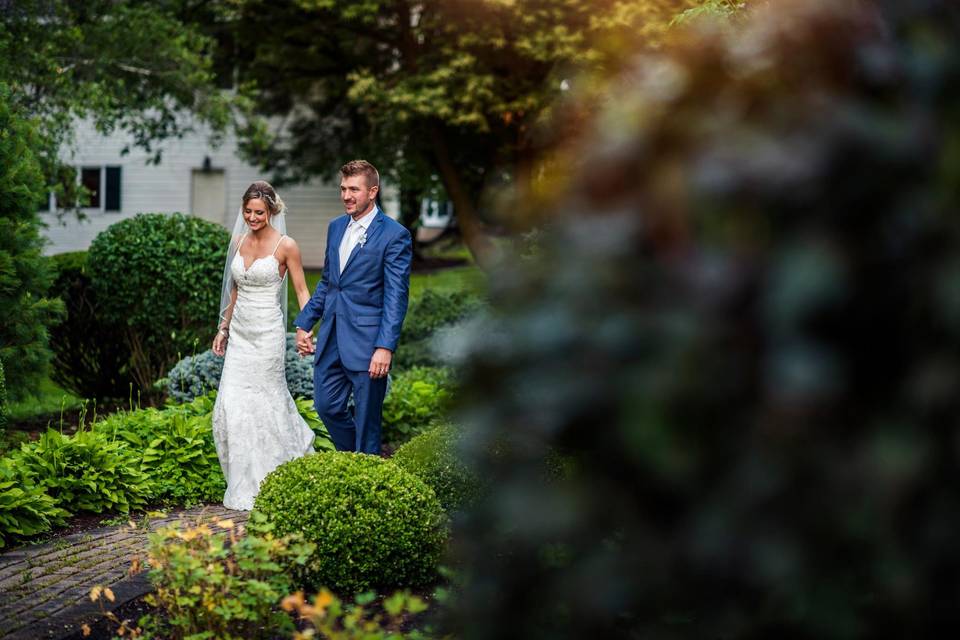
(335, 245)
(375, 226)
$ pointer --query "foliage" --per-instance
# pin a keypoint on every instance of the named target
(744, 327)
(156, 275)
(373, 523)
(88, 358)
(427, 314)
(177, 453)
(86, 471)
(434, 310)
(418, 397)
(332, 619)
(222, 584)
(197, 375)
(4, 411)
(25, 508)
(432, 456)
(445, 97)
(65, 61)
(25, 275)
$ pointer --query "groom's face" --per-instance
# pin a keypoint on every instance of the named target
(356, 196)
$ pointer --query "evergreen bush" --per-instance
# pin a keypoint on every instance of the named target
(374, 524)
(432, 456)
(26, 312)
(428, 314)
(89, 360)
(197, 375)
(157, 275)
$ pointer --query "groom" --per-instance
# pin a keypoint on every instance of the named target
(361, 301)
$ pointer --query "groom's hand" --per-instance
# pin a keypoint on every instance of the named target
(304, 342)
(380, 362)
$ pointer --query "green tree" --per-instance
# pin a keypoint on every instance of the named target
(123, 64)
(25, 275)
(444, 95)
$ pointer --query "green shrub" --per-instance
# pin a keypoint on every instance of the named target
(334, 619)
(3, 401)
(25, 508)
(428, 314)
(197, 375)
(158, 276)
(222, 584)
(177, 449)
(374, 524)
(25, 274)
(86, 471)
(432, 457)
(432, 310)
(89, 360)
(418, 398)
(177, 453)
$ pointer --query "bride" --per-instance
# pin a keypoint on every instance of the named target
(256, 425)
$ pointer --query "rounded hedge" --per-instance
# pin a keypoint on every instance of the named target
(158, 275)
(374, 524)
(432, 457)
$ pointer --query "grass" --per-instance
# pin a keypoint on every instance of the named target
(49, 400)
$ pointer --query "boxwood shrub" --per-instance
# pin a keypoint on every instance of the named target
(374, 524)
(432, 457)
(158, 276)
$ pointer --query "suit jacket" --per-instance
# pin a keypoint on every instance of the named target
(365, 305)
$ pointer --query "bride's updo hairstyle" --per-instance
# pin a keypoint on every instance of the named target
(264, 191)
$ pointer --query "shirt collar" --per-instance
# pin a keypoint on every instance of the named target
(365, 220)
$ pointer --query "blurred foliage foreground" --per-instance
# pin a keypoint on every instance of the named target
(743, 325)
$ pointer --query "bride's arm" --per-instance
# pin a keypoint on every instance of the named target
(295, 269)
(223, 329)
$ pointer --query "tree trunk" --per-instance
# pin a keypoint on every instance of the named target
(474, 236)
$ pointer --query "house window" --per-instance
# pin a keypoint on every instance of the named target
(90, 179)
(103, 185)
(112, 189)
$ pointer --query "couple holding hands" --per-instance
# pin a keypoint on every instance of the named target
(360, 303)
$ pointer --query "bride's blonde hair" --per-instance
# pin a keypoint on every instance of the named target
(263, 190)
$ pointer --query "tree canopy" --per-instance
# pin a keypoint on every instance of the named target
(445, 95)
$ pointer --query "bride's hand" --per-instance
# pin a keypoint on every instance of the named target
(220, 344)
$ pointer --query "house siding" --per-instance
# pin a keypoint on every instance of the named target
(167, 188)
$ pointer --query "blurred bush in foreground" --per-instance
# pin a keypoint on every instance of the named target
(743, 325)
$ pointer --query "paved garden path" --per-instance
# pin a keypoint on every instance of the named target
(45, 589)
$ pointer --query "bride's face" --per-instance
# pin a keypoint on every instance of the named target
(256, 214)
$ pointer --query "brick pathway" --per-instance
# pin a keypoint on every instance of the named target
(45, 589)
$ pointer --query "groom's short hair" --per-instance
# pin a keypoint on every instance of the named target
(361, 168)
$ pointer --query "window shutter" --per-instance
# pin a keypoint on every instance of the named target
(113, 189)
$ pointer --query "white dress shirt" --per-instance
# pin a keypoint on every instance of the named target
(355, 230)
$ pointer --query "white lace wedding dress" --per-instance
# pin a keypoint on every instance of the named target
(256, 425)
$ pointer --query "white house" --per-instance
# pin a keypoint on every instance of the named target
(193, 178)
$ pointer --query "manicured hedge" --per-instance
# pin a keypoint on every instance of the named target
(374, 524)
(432, 457)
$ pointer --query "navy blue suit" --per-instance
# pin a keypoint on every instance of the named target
(359, 310)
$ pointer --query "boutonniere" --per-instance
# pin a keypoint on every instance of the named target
(363, 239)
